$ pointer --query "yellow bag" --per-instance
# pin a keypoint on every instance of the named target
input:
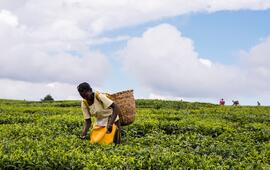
(99, 135)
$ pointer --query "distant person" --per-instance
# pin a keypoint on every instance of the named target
(258, 103)
(107, 127)
(222, 102)
(235, 103)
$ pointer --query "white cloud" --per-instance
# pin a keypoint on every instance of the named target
(157, 96)
(166, 62)
(7, 18)
(30, 64)
(258, 63)
(205, 62)
(104, 40)
(43, 57)
(47, 41)
(44, 32)
(97, 16)
(218, 5)
(35, 91)
(23, 90)
(259, 55)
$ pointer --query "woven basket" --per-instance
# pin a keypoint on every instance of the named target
(126, 102)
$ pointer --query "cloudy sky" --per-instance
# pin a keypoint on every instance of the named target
(197, 50)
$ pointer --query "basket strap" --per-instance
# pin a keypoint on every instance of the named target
(98, 98)
(85, 102)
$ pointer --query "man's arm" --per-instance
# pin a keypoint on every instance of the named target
(116, 111)
(87, 125)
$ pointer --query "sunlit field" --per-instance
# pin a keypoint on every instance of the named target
(165, 135)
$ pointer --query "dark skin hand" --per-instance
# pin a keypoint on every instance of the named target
(87, 125)
(116, 111)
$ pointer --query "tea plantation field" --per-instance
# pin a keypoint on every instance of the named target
(165, 135)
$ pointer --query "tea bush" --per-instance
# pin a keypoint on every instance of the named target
(165, 135)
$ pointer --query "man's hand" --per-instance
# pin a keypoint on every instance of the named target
(87, 124)
(109, 128)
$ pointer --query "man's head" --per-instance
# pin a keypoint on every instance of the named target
(85, 90)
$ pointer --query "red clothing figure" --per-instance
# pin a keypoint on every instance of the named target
(222, 102)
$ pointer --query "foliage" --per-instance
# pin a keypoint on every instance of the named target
(165, 135)
(48, 97)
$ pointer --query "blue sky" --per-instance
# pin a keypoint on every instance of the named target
(218, 36)
(196, 51)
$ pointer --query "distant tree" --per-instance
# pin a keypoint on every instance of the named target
(48, 97)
